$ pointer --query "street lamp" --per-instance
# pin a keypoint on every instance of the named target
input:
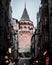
(9, 50)
(6, 59)
(36, 61)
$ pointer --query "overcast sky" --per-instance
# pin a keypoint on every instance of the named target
(32, 7)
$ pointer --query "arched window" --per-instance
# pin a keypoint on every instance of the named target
(21, 27)
(21, 34)
(31, 28)
(24, 26)
(28, 27)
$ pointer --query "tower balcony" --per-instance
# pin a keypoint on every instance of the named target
(24, 29)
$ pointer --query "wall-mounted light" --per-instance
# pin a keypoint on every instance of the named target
(36, 61)
(9, 50)
(6, 57)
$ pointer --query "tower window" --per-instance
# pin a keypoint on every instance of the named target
(21, 34)
(29, 27)
(24, 26)
(21, 27)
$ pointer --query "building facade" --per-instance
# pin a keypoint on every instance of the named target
(14, 31)
(50, 29)
(5, 9)
(44, 27)
(39, 29)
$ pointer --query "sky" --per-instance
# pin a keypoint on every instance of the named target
(32, 7)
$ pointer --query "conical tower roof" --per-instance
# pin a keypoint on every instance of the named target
(25, 15)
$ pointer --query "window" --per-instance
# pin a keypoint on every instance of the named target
(29, 27)
(21, 27)
(21, 34)
(24, 26)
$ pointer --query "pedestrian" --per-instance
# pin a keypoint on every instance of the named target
(10, 62)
